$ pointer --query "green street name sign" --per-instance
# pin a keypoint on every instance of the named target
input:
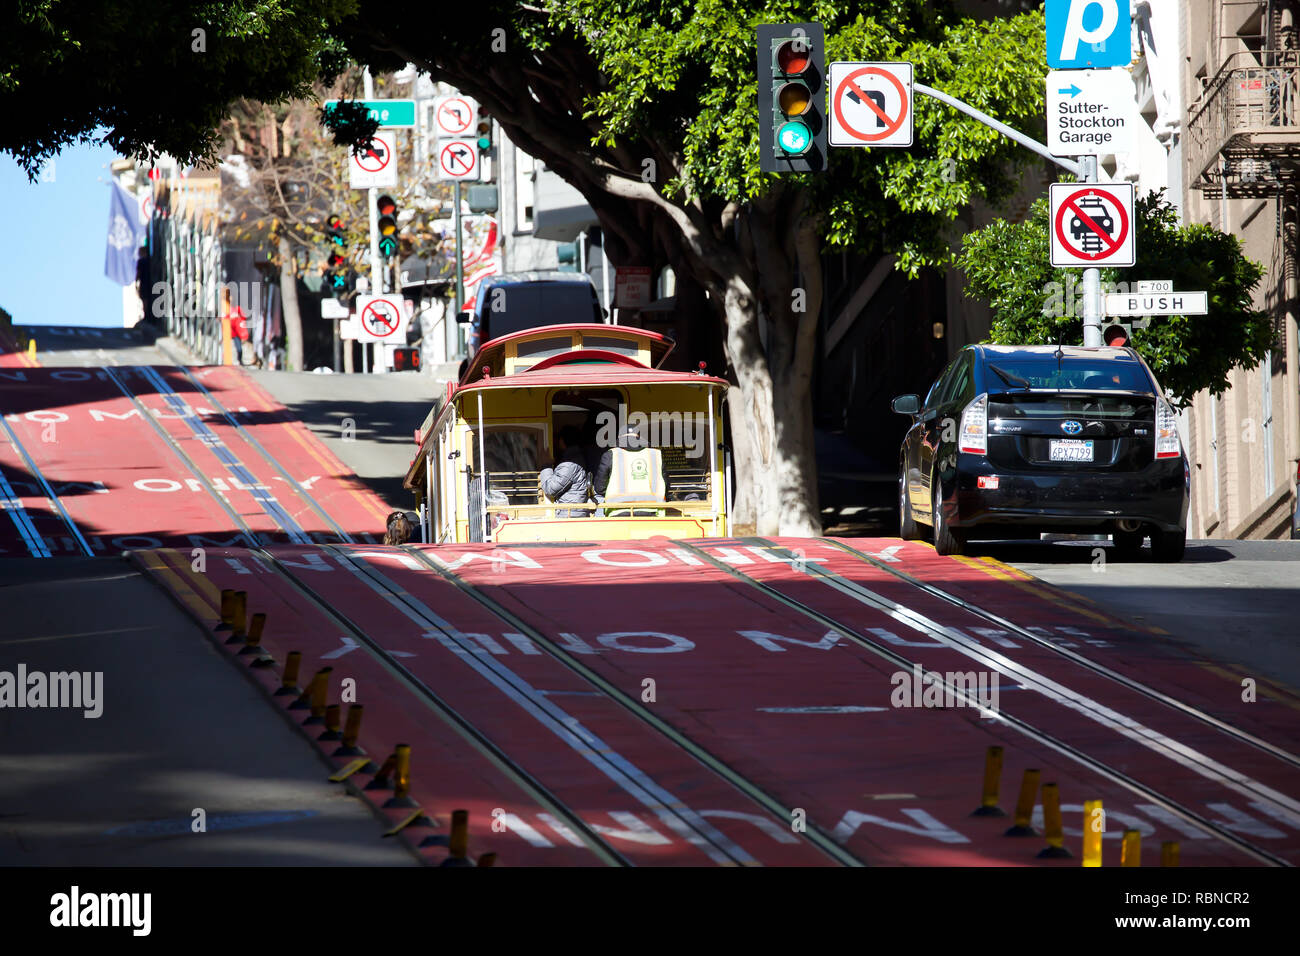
(392, 114)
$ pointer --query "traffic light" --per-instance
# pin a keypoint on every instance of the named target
(1115, 333)
(484, 130)
(791, 97)
(566, 255)
(338, 276)
(388, 241)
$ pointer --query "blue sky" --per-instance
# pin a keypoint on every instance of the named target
(52, 246)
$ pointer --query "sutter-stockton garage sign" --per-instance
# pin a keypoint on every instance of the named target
(1089, 112)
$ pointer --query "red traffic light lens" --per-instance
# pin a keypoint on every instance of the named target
(794, 56)
(386, 205)
(334, 222)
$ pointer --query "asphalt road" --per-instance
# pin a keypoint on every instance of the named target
(369, 421)
(180, 729)
(1234, 600)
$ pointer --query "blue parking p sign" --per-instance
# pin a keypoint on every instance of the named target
(1085, 34)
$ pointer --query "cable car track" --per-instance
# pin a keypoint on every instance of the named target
(464, 727)
(49, 494)
(812, 835)
(1079, 659)
(1000, 663)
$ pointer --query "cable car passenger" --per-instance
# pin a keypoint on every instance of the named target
(568, 481)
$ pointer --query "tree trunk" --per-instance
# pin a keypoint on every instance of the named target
(289, 307)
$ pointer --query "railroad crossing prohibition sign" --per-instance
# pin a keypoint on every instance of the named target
(871, 104)
(458, 159)
(1092, 224)
(381, 318)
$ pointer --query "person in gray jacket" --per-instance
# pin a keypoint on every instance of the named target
(567, 482)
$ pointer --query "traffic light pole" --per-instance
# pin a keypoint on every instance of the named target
(1086, 171)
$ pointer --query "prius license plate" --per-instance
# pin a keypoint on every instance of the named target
(1070, 449)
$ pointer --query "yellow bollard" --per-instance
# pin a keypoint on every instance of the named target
(1130, 853)
(383, 778)
(351, 731)
(238, 618)
(289, 682)
(458, 841)
(227, 609)
(1094, 826)
(315, 695)
(1169, 853)
(1053, 829)
(992, 778)
(331, 731)
(253, 639)
(31, 349)
(402, 779)
(1025, 805)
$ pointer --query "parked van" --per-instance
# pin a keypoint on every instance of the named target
(519, 301)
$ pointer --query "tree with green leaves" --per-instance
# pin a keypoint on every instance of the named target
(1034, 304)
(650, 109)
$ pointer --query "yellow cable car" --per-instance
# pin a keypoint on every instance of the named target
(484, 447)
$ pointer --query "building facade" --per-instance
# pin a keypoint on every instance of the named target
(1240, 166)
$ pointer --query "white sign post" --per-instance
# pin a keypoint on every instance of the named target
(1089, 112)
(376, 166)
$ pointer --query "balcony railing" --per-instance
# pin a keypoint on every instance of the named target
(1250, 115)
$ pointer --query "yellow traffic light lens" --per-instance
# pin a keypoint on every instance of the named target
(387, 225)
(794, 99)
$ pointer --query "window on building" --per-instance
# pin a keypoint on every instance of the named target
(524, 178)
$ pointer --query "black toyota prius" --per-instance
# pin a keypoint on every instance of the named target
(1011, 441)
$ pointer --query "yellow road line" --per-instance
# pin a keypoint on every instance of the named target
(200, 608)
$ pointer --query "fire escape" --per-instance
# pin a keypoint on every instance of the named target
(1243, 133)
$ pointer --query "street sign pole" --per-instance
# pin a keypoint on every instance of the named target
(376, 272)
(1091, 277)
(460, 258)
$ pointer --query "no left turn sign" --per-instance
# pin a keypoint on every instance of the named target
(1092, 224)
(453, 116)
(871, 104)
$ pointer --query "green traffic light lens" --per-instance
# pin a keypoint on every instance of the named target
(794, 138)
(484, 142)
